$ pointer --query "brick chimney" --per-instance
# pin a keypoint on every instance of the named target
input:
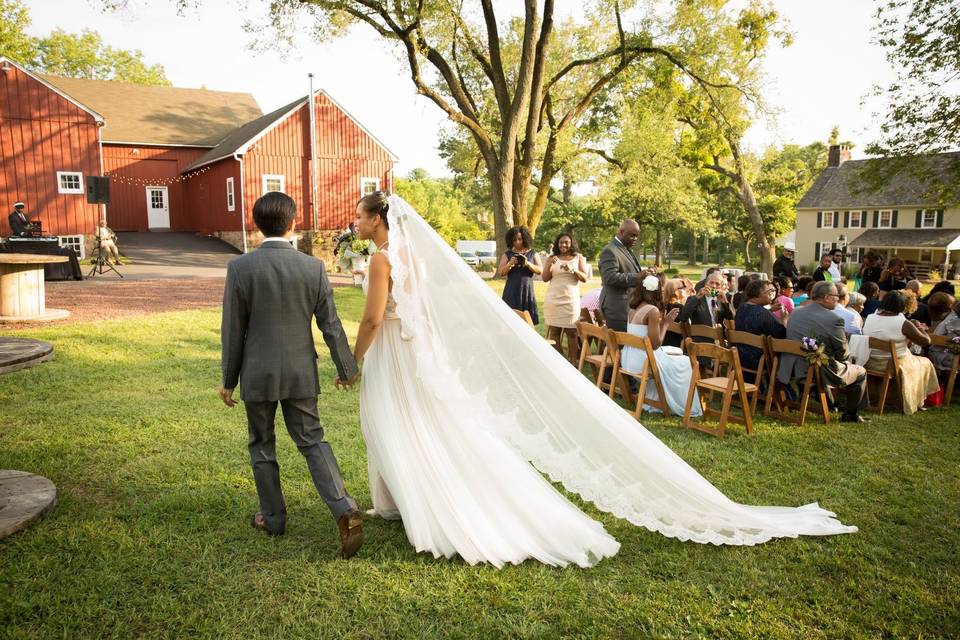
(838, 154)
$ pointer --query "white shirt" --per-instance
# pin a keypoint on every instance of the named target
(834, 271)
(277, 239)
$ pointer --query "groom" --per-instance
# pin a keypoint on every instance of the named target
(270, 297)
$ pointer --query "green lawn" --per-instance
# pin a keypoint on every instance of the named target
(151, 537)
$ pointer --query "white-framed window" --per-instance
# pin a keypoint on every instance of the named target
(368, 186)
(885, 220)
(829, 219)
(928, 220)
(926, 255)
(856, 218)
(69, 182)
(854, 254)
(73, 242)
(274, 182)
(231, 203)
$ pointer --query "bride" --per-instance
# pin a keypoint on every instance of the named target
(462, 407)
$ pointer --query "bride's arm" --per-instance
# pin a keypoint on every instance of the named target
(378, 288)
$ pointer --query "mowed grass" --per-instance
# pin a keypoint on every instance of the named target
(150, 538)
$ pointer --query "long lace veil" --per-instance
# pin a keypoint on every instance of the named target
(472, 348)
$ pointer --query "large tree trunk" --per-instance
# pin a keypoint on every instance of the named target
(658, 259)
(500, 196)
(706, 248)
(692, 251)
(746, 254)
(749, 201)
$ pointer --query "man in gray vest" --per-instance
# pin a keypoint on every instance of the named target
(270, 298)
(620, 273)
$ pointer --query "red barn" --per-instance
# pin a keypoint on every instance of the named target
(178, 159)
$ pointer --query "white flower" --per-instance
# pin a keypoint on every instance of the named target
(651, 283)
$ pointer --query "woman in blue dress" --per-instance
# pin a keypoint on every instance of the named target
(757, 316)
(647, 320)
(519, 264)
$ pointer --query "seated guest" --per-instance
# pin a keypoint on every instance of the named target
(944, 286)
(648, 320)
(950, 327)
(674, 294)
(856, 304)
(784, 296)
(591, 300)
(108, 242)
(870, 291)
(700, 284)
(817, 320)
(755, 317)
(939, 307)
(919, 378)
(708, 307)
(800, 292)
(895, 277)
(852, 322)
(808, 299)
(914, 310)
(824, 272)
(742, 283)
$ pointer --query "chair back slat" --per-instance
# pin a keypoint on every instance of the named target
(703, 331)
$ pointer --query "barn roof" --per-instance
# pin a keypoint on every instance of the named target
(838, 187)
(148, 114)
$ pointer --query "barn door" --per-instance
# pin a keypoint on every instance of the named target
(158, 208)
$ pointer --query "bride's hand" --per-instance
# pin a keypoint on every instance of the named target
(345, 384)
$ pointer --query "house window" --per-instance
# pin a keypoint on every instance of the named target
(885, 220)
(855, 219)
(368, 186)
(829, 219)
(231, 206)
(69, 182)
(926, 255)
(272, 182)
(854, 254)
(73, 242)
(928, 220)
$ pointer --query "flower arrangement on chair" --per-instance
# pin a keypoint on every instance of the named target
(814, 349)
(954, 345)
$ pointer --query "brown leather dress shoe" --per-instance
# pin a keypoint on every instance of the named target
(257, 522)
(350, 525)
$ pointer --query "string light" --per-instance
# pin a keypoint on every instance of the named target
(153, 182)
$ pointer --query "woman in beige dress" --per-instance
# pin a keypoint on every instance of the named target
(563, 273)
(919, 378)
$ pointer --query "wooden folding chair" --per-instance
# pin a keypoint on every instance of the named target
(813, 382)
(585, 316)
(744, 338)
(890, 373)
(529, 320)
(678, 329)
(599, 318)
(728, 326)
(619, 339)
(730, 385)
(595, 350)
(949, 374)
(703, 331)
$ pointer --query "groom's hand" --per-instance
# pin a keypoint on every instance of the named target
(346, 384)
(227, 396)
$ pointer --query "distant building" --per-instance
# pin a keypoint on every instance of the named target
(900, 219)
(178, 159)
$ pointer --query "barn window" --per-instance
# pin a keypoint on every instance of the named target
(368, 186)
(230, 202)
(69, 182)
(73, 242)
(273, 182)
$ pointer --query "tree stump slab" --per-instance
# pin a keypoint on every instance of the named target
(24, 499)
(20, 353)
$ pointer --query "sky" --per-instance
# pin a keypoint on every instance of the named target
(816, 83)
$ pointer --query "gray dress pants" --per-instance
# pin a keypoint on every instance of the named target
(303, 425)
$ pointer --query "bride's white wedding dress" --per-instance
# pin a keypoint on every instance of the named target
(459, 396)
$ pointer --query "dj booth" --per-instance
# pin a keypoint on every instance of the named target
(46, 245)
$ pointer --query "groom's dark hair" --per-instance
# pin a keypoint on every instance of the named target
(273, 212)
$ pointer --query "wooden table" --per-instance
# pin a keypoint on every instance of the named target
(22, 293)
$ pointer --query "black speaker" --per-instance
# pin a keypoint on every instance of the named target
(98, 190)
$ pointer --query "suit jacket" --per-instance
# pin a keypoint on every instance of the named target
(17, 226)
(696, 310)
(785, 267)
(269, 299)
(815, 321)
(619, 272)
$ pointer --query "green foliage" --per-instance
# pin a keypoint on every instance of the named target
(150, 536)
(441, 204)
(14, 41)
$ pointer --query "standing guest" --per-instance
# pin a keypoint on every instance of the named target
(950, 326)
(784, 296)
(871, 292)
(852, 322)
(836, 257)
(785, 267)
(939, 308)
(817, 321)
(620, 273)
(519, 264)
(944, 286)
(919, 377)
(856, 304)
(895, 277)
(648, 320)
(822, 272)
(871, 268)
(564, 271)
(756, 315)
(709, 307)
(108, 242)
(18, 220)
(800, 292)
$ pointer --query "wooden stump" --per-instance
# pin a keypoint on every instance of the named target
(22, 292)
(20, 353)
(24, 499)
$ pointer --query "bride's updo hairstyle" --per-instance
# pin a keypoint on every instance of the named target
(377, 204)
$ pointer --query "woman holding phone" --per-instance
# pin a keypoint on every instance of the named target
(519, 264)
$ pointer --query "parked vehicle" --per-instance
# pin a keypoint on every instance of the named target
(470, 258)
(487, 257)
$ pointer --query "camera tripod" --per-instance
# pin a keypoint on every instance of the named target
(101, 263)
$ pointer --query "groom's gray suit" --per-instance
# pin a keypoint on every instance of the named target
(269, 299)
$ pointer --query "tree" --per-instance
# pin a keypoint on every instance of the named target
(516, 88)
(922, 39)
(14, 41)
(440, 204)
